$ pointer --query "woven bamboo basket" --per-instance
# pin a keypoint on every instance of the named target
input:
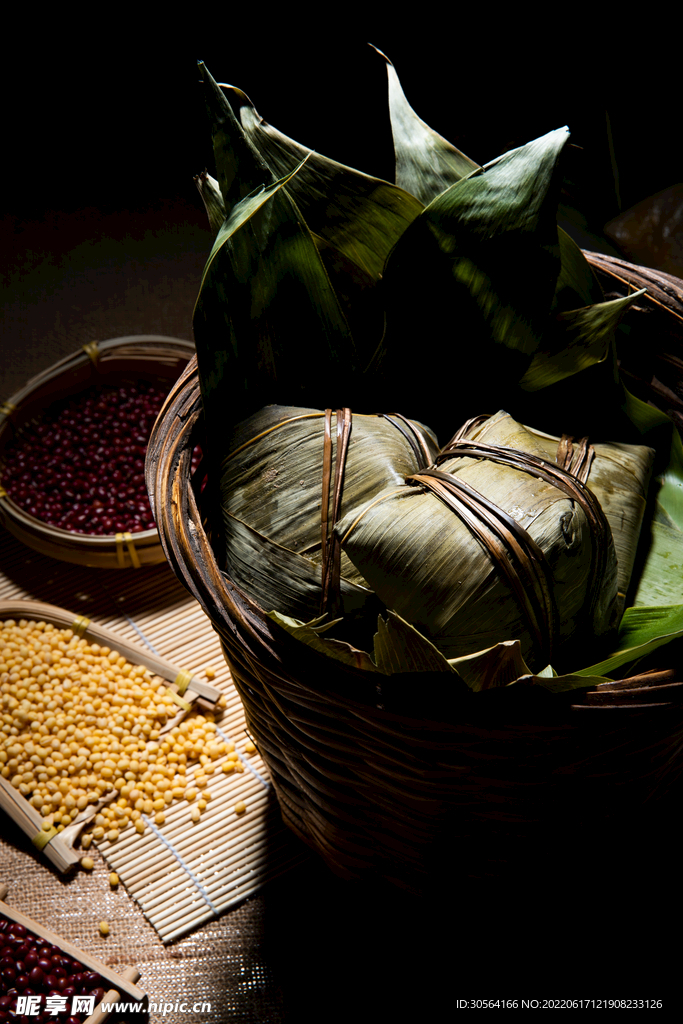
(151, 358)
(409, 782)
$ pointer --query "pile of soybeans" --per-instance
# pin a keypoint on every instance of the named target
(81, 725)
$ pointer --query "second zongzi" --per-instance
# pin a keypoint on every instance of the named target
(498, 542)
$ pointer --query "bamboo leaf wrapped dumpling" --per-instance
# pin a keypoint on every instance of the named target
(496, 543)
(289, 475)
(618, 476)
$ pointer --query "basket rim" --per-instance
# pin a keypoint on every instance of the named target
(74, 361)
(81, 358)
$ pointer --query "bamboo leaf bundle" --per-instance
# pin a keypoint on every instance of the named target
(504, 541)
(510, 553)
(284, 483)
(415, 546)
(618, 475)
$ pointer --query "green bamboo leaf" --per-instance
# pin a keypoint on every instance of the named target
(642, 631)
(660, 569)
(652, 423)
(565, 683)
(503, 665)
(477, 271)
(399, 647)
(550, 680)
(240, 168)
(426, 163)
(210, 192)
(495, 666)
(593, 402)
(576, 285)
(360, 216)
(240, 215)
(264, 278)
(579, 338)
(337, 649)
(660, 580)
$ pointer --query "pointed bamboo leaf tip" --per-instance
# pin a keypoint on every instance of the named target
(377, 50)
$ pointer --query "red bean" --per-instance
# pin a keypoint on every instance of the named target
(36, 977)
(81, 469)
(32, 966)
(92, 979)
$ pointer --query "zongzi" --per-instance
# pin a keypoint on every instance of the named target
(618, 476)
(498, 542)
(285, 482)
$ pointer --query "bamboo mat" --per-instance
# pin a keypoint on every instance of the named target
(181, 874)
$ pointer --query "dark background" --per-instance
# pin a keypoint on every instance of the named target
(104, 137)
(124, 128)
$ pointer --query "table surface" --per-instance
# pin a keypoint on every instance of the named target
(310, 946)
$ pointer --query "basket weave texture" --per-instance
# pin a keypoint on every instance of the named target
(411, 780)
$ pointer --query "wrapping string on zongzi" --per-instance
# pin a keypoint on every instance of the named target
(468, 426)
(552, 474)
(415, 439)
(577, 461)
(510, 548)
(617, 474)
(330, 547)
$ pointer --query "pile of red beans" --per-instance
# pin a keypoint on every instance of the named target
(30, 966)
(82, 468)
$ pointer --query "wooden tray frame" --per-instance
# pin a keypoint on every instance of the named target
(59, 850)
(122, 985)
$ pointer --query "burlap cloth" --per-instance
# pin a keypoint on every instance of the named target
(220, 965)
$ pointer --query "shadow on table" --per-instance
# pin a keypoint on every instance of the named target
(587, 916)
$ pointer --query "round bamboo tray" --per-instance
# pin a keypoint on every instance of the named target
(410, 781)
(152, 358)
